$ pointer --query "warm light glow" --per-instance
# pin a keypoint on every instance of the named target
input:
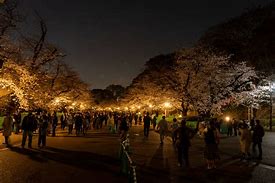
(167, 104)
(150, 106)
(227, 118)
(180, 116)
(73, 104)
(139, 107)
(126, 108)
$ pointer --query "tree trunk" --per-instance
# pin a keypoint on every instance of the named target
(184, 112)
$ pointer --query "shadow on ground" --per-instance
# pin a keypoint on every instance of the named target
(79, 159)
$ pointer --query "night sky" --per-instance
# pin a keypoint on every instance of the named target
(108, 41)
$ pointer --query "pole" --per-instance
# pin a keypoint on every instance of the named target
(270, 115)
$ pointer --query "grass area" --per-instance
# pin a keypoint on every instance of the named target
(169, 119)
(1, 121)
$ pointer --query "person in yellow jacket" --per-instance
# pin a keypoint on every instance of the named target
(245, 140)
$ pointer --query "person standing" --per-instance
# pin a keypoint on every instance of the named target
(183, 135)
(229, 128)
(63, 121)
(42, 131)
(78, 123)
(154, 122)
(147, 120)
(17, 119)
(163, 128)
(70, 121)
(123, 128)
(245, 140)
(7, 127)
(54, 124)
(235, 127)
(211, 139)
(136, 119)
(257, 138)
(174, 127)
(28, 126)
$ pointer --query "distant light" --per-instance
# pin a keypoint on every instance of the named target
(150, 106)
(167, 104)
(180, 116)
(139, 107)
(126, 108)
(227, 118)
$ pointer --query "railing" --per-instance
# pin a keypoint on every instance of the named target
(127, 165)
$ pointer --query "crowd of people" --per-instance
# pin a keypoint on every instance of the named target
(45, 124)
(210, 131)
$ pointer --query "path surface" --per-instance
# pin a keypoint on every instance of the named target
(66, 159)
(158, 163)
(94, 158)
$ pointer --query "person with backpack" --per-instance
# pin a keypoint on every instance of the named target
(257, 138)
(174, 127)
(211, 139)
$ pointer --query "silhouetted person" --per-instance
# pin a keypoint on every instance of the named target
(54, 124)
(42, 131)
(257, 138)
(229, 128)
(147, 121)
(28, 126)
(183, 135)
(163, 128)
(7, 127)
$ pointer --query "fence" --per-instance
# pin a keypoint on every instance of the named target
(127, 165)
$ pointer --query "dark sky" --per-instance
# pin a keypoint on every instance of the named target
(108, 41)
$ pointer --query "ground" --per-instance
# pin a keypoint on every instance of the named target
(95, 158)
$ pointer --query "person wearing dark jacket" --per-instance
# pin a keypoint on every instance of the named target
(43, 126)
(29, 125)
(147, 120)
(257, 138)
(183, 136)
(54, 124)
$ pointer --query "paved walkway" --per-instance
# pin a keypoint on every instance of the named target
(93, 158)
(158, 163)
